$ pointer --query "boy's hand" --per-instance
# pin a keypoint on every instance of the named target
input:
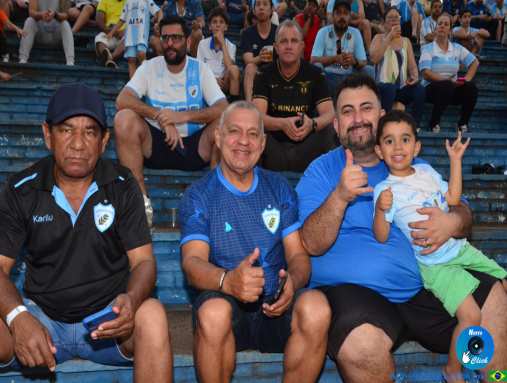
(385, 200)
(457, 149)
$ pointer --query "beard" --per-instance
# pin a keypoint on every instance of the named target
(363, 143)
(177, 59)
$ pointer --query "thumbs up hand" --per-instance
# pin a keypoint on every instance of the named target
(246, 281)
(353, 181)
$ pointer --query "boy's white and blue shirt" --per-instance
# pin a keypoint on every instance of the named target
(325, 45)
(424, 188)
(234, 222)
(447, 63)
(136, 14)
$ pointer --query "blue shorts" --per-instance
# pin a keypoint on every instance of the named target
(72, 340)
(132, 51)
(252, 329)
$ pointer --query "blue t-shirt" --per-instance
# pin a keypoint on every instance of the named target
(193, 9)
(478, 9)
(356, 257)
(351, 42)
(234, 223)
(405, 11)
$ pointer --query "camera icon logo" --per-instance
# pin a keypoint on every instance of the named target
(475, 348)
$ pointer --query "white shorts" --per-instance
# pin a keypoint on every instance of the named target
(111, 43)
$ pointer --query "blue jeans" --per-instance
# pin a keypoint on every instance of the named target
(410, 94)
(72, 340)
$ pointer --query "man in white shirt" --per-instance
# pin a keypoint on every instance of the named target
(430, 23)
(167, 112)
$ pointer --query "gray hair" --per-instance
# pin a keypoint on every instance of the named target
(288, 24)
(242, 104)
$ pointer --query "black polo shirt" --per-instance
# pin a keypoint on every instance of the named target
(287, 97)
(76, 263)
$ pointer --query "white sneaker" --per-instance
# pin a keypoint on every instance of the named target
(5, 58)
(436, 129)
(22, 61)
(70, 63)
(149, 211)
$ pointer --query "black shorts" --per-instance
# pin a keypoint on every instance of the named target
(252, 329)
(422, 318)
(162, 157)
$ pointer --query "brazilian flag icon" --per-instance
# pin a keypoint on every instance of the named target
(497, 376)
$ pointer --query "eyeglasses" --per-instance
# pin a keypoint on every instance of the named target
(175, 38)
(393, 18)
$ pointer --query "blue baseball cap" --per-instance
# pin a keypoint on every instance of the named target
(76, 100)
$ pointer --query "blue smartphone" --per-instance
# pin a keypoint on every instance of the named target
(91, 322)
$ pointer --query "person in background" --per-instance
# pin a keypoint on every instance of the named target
(357, 18)
(396, 69)
(6, 24)
(137, 15)
(412, 15)
(339, 48)
(310, 23)
(454, 8)
(499, 13)
(257, 44)
(220, 54)
(82, 13)
(471, 38)
(109, 49)
(191, 11)
(295, 104)
(439, 64)
(430, 23)
(47, 25)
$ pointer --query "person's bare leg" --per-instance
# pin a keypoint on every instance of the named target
(365, 27)
(468, 314)
(133, 143)
(207, 141)
(156, 45)
(118, 51)
(248, 80)
(234, 80)
(365, 356)
(493, 320)
(195, 38)
(150, 344)
(83, 18)
(132, 63)
(4, 76)
(306, 348)
(6, 344)
(214, 346)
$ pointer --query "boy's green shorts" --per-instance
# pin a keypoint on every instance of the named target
(452, 283)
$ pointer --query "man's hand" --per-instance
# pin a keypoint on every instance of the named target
(353, 180)
(32, 343)
(348, 60)
(282, 304)
(411, 81)
(172, 136)
(290, 129)
(122, 326)
(385, 200)
(245, 282)
(457, 149)
(433, 232)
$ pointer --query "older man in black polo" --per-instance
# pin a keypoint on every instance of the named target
(82, 221)
(294, 98)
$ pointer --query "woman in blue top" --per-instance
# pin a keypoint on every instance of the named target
(439, 63)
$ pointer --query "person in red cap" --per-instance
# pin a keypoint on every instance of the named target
(81, 219)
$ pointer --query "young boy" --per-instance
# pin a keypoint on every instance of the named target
(220, 54)
(471, 38)
(412, 186)
(136, 14)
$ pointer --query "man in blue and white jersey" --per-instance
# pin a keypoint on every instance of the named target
(240, 239)
(429, 24)
(168, 110)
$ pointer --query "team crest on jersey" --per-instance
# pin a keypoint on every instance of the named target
(271, 218)
(103, 216)
(193, 90)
